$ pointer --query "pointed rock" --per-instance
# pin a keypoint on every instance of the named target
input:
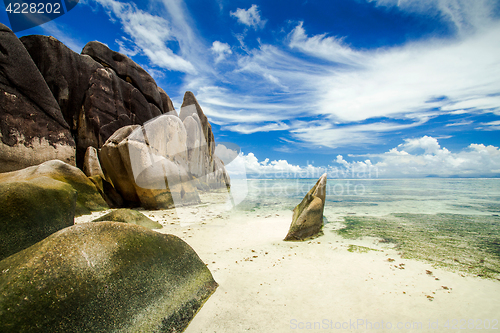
(91, 165)
(202, 161)
(186, 111)
(307, 218)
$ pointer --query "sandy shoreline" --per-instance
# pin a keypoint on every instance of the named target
(268, 285)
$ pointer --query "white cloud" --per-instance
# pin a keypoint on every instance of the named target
(490, 126)
(424, 156)
(250, 128)
(221, 50)
(326, 134)
(429, 144)
(419, 157)
(460, 123)
(226, 154)
(406, 80)
(465, 15)
(404, 84)
(150, 34)
(278, 168)
(329, 48)
(250, 17)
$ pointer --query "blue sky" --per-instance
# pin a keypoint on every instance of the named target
(411, 87)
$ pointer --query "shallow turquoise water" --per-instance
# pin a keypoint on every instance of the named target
(381, 196)
(450, 222)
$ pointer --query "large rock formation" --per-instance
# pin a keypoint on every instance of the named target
(32, 210)
(307, 218)
(66, 73)
(88, 198)
(58, 104)
(161, 163)
(32, 128)
(103, 277)
(99, 91)
(147, 164)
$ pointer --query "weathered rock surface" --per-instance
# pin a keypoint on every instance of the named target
(32, 127)
(114, 167)
(57, 104)
(129, 216)
(129, 71)
(66, 73)
(91, 164)
(147, 164)
(33, 210)
(201, 159)
(103, 277)
(88, 198)
(307, 218)
(98, 91)
(107, 191)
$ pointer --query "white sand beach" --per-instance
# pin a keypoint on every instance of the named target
(268, 285)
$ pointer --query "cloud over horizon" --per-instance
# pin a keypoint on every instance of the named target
(419, 157)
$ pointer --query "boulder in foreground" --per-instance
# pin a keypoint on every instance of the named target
(32, 210)
(103, 277)
(307, 218)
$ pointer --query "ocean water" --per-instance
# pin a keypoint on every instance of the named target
(381, 196)
(452, 223)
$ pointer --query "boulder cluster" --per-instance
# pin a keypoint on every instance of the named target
(87, 132)
(82, 108)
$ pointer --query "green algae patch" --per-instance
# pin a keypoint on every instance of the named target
(359, 249)
(103, 277)
(32, 210)
(88, 198)
(129, 216)
(465, 243)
